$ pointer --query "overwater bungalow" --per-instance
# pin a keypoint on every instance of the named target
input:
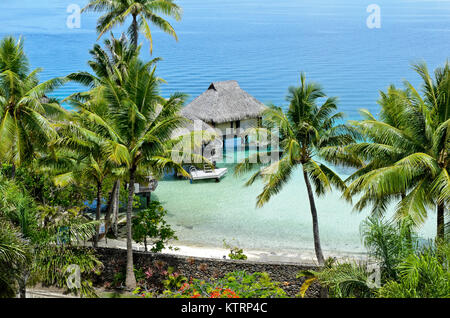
(224, 110)
(226, 105)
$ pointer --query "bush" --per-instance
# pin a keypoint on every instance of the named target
(405, 270)
(236, 253)
(150, 224)
(239, 284)
(425, 275)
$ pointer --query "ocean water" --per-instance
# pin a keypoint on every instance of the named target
(264, 45)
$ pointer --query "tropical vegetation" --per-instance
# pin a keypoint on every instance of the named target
(122, 131)
(398, 267)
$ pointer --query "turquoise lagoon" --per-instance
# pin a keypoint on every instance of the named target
(205, 213)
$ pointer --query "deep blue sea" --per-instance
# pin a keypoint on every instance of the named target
(263, 44)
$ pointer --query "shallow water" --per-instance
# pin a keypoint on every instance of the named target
(206, 213)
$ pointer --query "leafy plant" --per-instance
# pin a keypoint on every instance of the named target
(406, 151)
(141, 11)
(343, 280)
(149, 224)
(422, 275)
(174, 280)
(140, 292)
(235, 252)
(51, 268)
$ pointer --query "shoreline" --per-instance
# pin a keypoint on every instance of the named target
(305, 257)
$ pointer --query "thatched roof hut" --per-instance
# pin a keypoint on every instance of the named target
(224, 102)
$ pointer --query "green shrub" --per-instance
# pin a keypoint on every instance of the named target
(150, 224)
(236, 253)
(423, 275)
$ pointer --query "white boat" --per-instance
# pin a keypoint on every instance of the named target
(207, 173)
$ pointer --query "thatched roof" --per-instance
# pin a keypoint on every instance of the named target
(224, 102)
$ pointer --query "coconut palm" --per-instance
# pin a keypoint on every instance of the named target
(145, 122)
(111, 62)
(141, 11)
(407, 151)
(307, 131)
(85, 153)
(25, 111)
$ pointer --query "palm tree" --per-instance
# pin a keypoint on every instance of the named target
(407, 151)
(85, 153)
(145, 122)
(376, 154)
(307, 131)
(141, 121)
(141, 11)
(25, 110)
(26, 241)
(109, 62)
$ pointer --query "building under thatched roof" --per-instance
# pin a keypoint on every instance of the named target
(223, 110)
(223, 104)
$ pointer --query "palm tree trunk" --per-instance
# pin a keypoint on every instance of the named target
(130, 281)
(111, 206)
(134, 32)
(315, 221)
(440, 222)
(116, 209)
(97, 213)
(13, 171)
(22, 287)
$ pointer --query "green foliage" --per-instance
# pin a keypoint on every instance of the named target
(236, 253)
(422, 275)
(42, 189)
(26, 113)
(405, 269)
(13, 253)
(120, 276)
(139, 291)
(51, 267)
(388, 243)
(239, 284)
(174, 280)
(48, 252)
(143, 13)
(150, 224)
(308, 131)
(406, 151)
(343, 280)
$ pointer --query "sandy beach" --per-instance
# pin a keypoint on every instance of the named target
(306, 257)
